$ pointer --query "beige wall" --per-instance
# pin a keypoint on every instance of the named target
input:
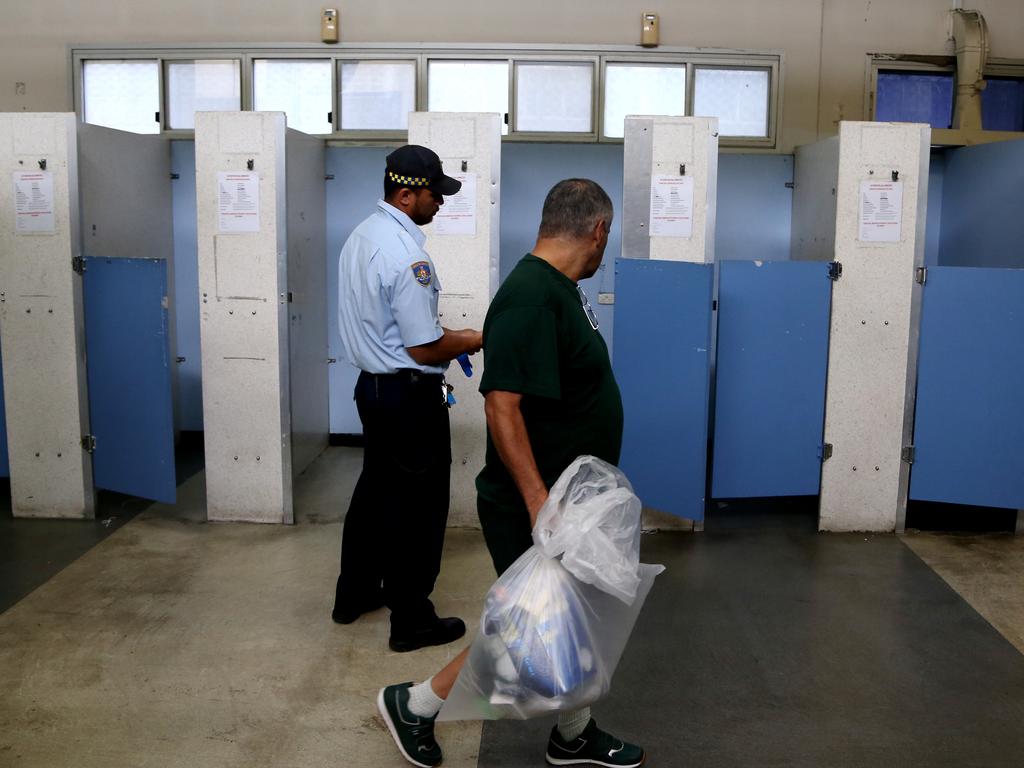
(824, 42)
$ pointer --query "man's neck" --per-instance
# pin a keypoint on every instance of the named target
(563, 255)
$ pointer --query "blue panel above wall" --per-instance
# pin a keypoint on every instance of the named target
(130, 409)
(528, 171)
(969, 421)
(982, 225)
(189, 414)
(5, 465)
(351, 196)
(755, 208)
(772, 362)
(663, 335)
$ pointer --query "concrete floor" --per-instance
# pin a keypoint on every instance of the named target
(172, 642)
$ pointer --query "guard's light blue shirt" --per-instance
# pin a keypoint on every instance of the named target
(387, 293)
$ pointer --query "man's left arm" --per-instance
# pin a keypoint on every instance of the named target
(508, 431)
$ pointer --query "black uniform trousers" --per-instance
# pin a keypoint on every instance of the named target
(394, 529)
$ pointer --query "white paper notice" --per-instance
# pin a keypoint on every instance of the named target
(671, 206)
(458, 214)
(238, 202)
(33, 203)
(881, 211)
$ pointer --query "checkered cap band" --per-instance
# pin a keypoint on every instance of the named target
(409, 181)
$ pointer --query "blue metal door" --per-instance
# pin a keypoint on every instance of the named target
(969, 421)
(772, 362)
(129, 369)
(662, 335)
(5, 465)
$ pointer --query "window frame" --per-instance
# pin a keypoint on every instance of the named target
(165, 91)
(374, 134)
(770, 98)
(633, 60)
(597, 55)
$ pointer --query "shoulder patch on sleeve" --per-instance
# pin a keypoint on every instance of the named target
(421, 271)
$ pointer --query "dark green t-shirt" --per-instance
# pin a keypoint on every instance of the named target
(539, 343)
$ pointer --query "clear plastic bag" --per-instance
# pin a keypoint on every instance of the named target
(555, 624)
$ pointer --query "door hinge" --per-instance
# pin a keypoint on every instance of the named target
(825, 452)
(921, 275)
(907, 454)
(835, 270)
(78, 264)
(89, 443)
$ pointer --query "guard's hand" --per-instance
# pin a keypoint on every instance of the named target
(474, 340)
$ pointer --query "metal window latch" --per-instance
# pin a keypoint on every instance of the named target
(907, 454)
(921, 275)
(835, 270)
(89, 443)
(78, 265)
(825, 451)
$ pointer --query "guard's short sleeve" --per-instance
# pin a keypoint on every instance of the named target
(521, 353)
(414, 305)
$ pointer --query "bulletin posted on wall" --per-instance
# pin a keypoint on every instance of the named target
(881, 211)
(33, 203)
(458, 214)
(671, 206)
(238, 202)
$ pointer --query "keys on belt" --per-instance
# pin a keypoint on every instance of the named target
(446, 393)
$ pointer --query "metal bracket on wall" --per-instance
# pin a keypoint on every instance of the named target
(89, 443)
(835, 270)
(78, 265)
(825, 452)
(907, 454)
(921, 275)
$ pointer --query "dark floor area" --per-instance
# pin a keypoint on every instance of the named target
(959, 518)
(33, 551)
(779, 647)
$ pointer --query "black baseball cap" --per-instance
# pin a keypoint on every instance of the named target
(416, 167)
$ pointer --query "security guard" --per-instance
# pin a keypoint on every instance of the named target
(387, 314)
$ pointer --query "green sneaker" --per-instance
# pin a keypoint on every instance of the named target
(413, 735)
(593, 747)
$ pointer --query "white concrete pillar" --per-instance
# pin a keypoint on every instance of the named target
(463, 243)
(670, 188)
(881, 199)
(41, 317)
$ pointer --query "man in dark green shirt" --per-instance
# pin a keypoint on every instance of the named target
(550, 396)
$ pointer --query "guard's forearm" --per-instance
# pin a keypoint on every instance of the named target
(448, 347)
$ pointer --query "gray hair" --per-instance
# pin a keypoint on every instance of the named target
(572, 209)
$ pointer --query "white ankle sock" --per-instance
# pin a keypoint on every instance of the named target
(572, 724)
(423, 702)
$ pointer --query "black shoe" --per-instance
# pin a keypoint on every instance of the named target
(348, 615)
(439, 632)
(413, 735)
(593, 747)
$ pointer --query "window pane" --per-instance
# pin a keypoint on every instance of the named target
(301, 88)
(122, 94)
(201, 86)
(377, 95)
(915, 97)
(554, 97)
(468, 86)
(737, 97)
(1002, 104)
(640, 89)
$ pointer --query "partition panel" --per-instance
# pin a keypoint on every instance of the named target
(772, 358)
(969, 423)
(662, 342)
(130, 403)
